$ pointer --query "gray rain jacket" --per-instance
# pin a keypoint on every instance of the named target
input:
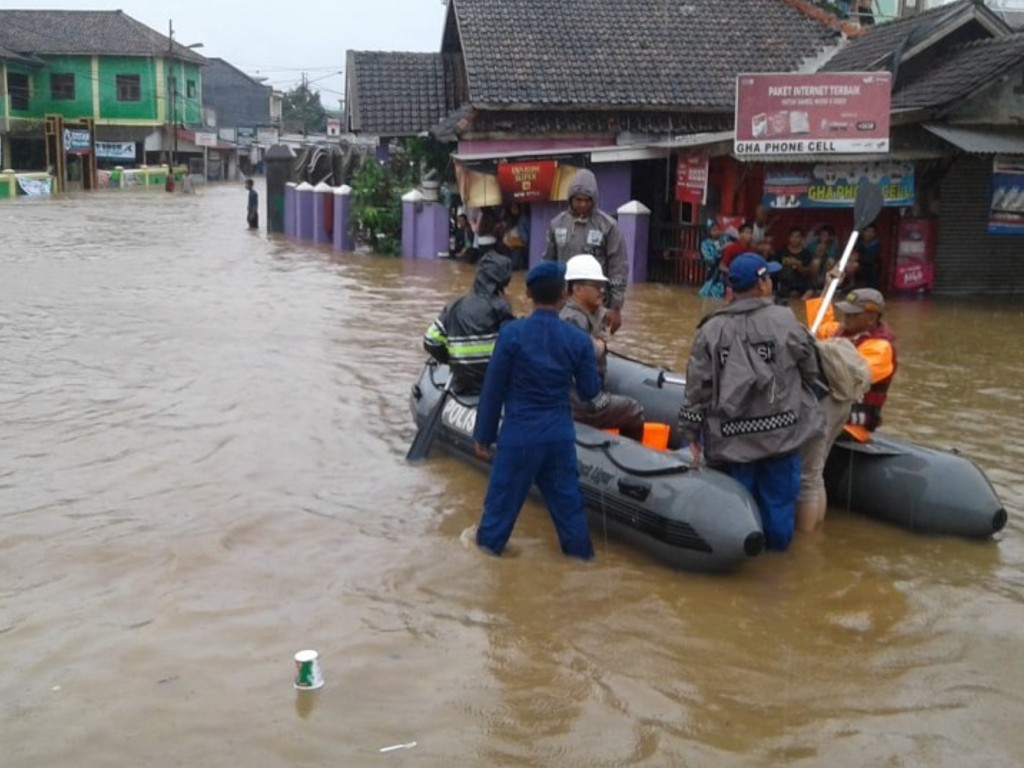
(598, 235)
(748, 383)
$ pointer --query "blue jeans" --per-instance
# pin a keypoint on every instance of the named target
(553, 467)
(775, 484)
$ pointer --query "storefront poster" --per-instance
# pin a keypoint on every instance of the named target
(1006, 210)
(692, 179)
(76, 142)
(915, 255)
(527, 182)
(822, 113)
(35, 187)
(834, 185)
(497, 181)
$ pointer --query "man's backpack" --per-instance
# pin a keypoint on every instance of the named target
(844, 368)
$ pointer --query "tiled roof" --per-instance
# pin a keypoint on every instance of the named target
(875, 45)
(394, 94)
(961, 71)
(111, 33)
(682, 54)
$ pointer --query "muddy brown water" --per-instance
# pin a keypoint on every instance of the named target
(202, 434)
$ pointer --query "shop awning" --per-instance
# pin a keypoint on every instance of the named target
(717, 143)
(605, 154)
(980, 141)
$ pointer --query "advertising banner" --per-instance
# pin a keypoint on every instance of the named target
(494, 181)
(692, 179)
(834, 185)
(76, 142)
(812, 114)
(1006, 209)
(246, 136)
(204, 139)
(116, 150)
(527, 182)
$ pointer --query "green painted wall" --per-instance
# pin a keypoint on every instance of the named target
(150, 90)
(153, 106)
(41, 101)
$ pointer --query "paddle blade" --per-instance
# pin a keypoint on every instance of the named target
(420, 447)
(867, 205)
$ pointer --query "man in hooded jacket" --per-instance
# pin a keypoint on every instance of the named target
(749, 395)
(584, 228)
(464, 334)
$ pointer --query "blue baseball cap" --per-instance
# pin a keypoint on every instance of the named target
(747, 268)
(546, 270)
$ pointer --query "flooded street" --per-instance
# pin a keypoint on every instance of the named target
(202, 440)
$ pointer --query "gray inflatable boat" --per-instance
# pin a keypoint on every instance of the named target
(915, 487)
(698, 520)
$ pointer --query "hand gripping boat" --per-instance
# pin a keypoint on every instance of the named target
(698, 520)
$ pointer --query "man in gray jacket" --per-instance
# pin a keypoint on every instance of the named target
(748, 394)
(584, 228)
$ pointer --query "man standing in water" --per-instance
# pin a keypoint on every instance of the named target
(586, 229)
(536, 362)
(252, 213)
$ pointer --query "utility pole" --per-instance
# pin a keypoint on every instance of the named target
(172, 92)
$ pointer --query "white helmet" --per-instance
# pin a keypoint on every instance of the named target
(584, 267)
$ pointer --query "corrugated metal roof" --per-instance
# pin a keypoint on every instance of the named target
(981, 141)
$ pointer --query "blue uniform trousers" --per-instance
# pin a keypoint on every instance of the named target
(553, 467)
(775, 484)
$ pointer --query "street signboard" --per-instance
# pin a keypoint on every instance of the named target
(812, 114)
(692, 179)
(204, 139)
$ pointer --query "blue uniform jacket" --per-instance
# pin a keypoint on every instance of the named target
(533, 366)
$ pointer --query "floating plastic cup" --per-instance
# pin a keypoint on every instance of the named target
(308, 676)
(656, 435)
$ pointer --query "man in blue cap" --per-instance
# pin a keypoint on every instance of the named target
(749, 396)
(535, 363)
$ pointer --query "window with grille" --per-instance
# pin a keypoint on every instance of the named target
(128, 88)
(62, 86)
(17, 87)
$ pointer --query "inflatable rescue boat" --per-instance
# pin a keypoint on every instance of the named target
(703, 520)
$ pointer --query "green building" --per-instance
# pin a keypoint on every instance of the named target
(139, 88)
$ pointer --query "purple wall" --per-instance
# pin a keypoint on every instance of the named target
(304, 213)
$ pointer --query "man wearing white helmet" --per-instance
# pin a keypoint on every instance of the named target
(585, 309)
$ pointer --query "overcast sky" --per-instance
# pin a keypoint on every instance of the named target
(281, 40)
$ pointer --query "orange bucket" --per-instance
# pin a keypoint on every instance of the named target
(611, 431)
(656, 435)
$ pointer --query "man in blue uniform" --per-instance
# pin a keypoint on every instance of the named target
(535, 363)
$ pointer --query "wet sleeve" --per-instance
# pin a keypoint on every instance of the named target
(698, 393)
(550, 249)
(618, 268)
(435, 340)
(588, 384)
(878, 353)
(496, 382)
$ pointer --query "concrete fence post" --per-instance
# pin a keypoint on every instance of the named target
(304, 211)
(343, 240)
(634, 223)
(323, 213)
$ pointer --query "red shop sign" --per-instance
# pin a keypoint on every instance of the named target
(692, 179)
(527, 182)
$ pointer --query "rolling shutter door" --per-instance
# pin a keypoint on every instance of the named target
(968, 260)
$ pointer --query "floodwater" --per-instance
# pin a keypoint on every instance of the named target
(202, 439)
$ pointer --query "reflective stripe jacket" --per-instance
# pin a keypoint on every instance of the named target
(465, 332)
(748, 383)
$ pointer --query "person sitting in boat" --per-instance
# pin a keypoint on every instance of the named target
(749, 394)
(463, 335)
(585, 309)
(863, 325)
